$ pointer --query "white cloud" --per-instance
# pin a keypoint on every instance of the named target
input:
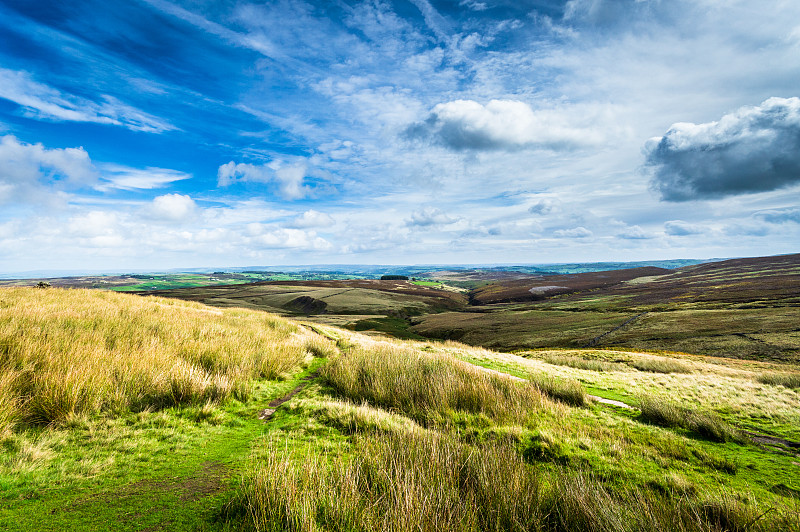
(545, 206)
(93, 224)
(172, 208)
(430, 216)
(289, 177)
(42, 101)
(508, 125)
(475, 5)
(275, 238)
(127, 178)
(30, 173)
(681, 228)
(635, 232)
(312, 218)
(575, 232)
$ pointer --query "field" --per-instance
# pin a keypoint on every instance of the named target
(234, 419)
(743, 308)
(364, 304)
(167, 281)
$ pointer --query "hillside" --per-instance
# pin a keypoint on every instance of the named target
(143, 413)
(743, 308)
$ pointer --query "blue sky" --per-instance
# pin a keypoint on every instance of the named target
(159, 134)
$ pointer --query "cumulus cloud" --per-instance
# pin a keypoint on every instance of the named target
(312, 218)
(681, 228)
(634, 232)
(127, 178)
(29, 172)
(503, 125)
(288, 177)
(544, 206)
(429, 216)
(42, 101)
(779, 216)
(93, 224)
(754, 149)
(575, 232)
(271, 238)
(172, 208)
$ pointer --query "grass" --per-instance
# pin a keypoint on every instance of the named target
(412, 479)
(582, 363)
(663, 412)
(566, 390)
(787, 380)
(391, 435)
(660, 365)
(428, 388)
(73, 352)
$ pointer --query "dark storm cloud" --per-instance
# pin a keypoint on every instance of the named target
(755, 149)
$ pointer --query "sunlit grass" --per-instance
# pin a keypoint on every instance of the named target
(426, 387)
(66, 352)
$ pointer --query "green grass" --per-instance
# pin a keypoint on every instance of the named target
(174, 469)
(393, 435)
(336, 462)
(433, 284)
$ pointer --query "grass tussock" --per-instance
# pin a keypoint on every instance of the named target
(424, 481)
(567, 391)
(661, 365)
(67, 352)
(787, 380)
(661, 411)
(428, 388)
(582, 363)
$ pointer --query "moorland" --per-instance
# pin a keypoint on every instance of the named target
(657, 399)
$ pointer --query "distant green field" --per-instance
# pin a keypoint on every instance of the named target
(434, 284)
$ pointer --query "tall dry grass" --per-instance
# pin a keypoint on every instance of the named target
(662, 411)
(427, 387)
(787, 380)
(567, 391)
(424, 481)
(66, 352)
(660, 365)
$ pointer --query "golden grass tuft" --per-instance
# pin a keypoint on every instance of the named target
(66, 352)
(664, 412)
(660, 365)
(787, 380)
(425, 481)
(427, 387)
(567, 391)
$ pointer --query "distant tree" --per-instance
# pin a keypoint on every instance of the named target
(43, 284)
(394, 278)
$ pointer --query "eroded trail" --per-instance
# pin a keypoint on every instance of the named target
(596, 340)
(273, 405)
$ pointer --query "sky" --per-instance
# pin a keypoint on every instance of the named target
(155, 134)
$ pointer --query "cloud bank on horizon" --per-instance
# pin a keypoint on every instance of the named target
(169, 133)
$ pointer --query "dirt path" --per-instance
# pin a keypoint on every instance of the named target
(273, 405)
(596, 340)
